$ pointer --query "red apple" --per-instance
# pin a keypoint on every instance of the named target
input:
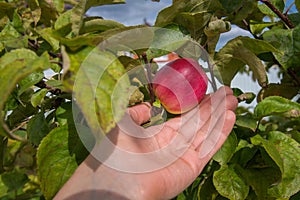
(180, 85)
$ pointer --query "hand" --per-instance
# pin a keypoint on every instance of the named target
(182, 147)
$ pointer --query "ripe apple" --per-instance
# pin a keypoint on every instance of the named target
(180, 85)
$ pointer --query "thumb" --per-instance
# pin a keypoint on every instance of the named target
(140, 113)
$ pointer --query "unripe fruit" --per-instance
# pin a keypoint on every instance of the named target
(180, 85)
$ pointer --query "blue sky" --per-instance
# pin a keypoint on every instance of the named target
(133, 12)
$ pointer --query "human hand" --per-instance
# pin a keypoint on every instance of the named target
(124, 163)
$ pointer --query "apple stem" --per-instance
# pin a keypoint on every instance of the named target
(149, 77)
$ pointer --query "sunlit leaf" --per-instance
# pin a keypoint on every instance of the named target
(288, 42)
(227, 150)
(46, 34)
(99, 25)
(229, 184)
(270, 149)
(55, 151)
(72, 62)
(83, 5)
(258, 27)
(278, 4)
(20, 63)
(29, 81)
(246, 121)
(193, 15)
(37, 128)
(10, 38)
(102, 82)
(38, 97)
(166, 40)
(239, 52)
(290, 153)
(275, 105)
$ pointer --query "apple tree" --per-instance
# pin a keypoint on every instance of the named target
(44, 43)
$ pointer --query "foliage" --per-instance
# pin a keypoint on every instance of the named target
(39, 142)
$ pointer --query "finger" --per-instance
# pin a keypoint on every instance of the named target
(205, 107)
(140, 113)
(217, 136)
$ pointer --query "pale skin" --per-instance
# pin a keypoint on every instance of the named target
(211, 122)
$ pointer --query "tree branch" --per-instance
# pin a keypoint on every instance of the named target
(284, 18)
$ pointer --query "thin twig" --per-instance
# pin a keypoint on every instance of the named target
(284, 18)
(53, 90)
(10, 134)
(289, 8)
(149, 77)
(20, 126)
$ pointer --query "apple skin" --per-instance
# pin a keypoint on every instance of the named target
(180, 85)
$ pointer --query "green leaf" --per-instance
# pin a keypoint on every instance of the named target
(101, 81)
(257, 27)
(270, 149)
(285, 90)
(46, 34)
(206, 190)
(244, 153)
(63, 23)
(6, 9)
(17, 22)
(37, 97)
(56, 152)
(288, 42)
(278, 4)
(290, 153)
(260, 180)
(99, 25)
(275, 105)
(295, 18)
(72, 62)
(11, 38)
(21, 113)
(20, 63)
(49, 13)
(37, 128)
(83, 5)
(229, 184)
(227, 150)
(193, 15)
(246, 121)
(36, 12)
(191, 22)
(29, 81)
(231, 6)
(297, 3)
(59, 5)
(14, 180)
(3, 188)
(166, 40)
(64, 114)
(239, 52)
